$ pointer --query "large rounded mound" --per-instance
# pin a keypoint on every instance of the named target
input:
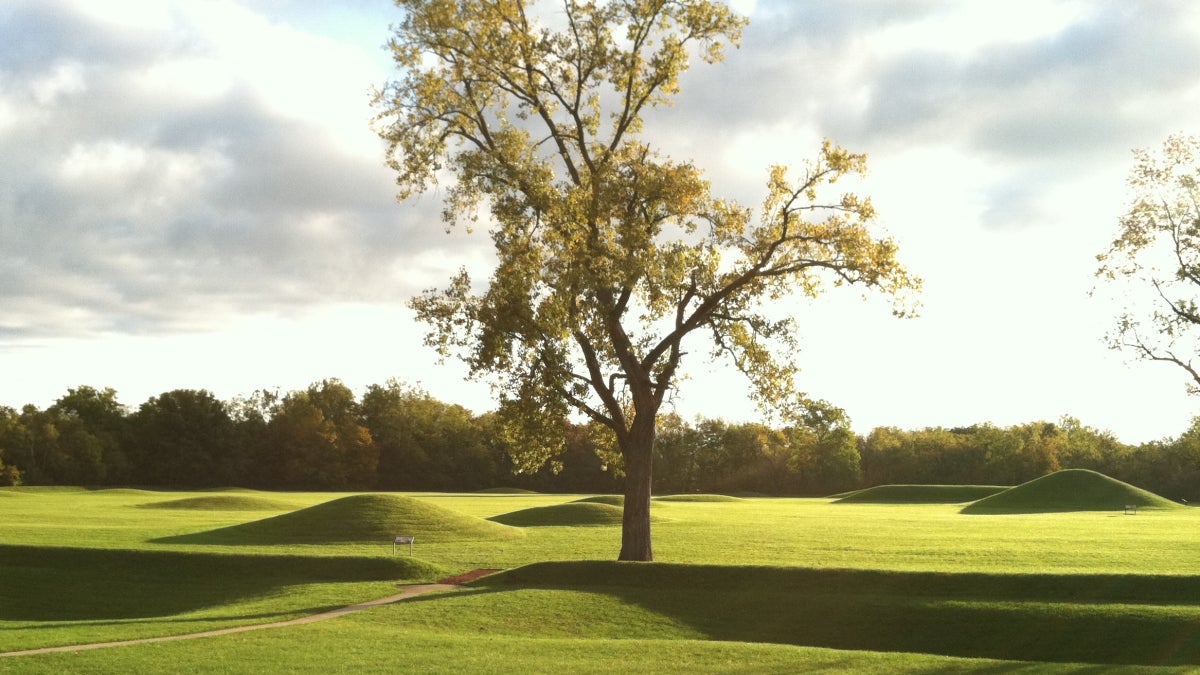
(571, 514)
(1069, 490)
(698, 498)
(359, 518)
(221, 503)
(920, 494)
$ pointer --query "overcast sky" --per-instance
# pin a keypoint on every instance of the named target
(191, 197)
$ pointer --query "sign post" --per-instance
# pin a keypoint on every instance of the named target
(403, 540)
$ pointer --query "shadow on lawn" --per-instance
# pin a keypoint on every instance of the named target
(1113, 619)
(81, 584)
(211, 622)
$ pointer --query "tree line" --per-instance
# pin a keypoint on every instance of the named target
(398, 437)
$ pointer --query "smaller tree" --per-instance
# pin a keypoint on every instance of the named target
(314, 441)
(12, 433)
(184, 438)
(1157, 253)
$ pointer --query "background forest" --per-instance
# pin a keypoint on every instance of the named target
(398, 437)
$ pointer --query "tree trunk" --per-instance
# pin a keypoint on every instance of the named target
(635, 525)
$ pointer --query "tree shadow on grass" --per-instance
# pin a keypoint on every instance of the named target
(82, 584)
(1109, 619)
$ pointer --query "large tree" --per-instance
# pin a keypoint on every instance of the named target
(185, 438)
(609, 254)
(1156, 258)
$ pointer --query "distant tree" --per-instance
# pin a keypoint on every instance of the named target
(676, 456)
(424, 443)
(80, 439)
(1169, 467)
(12, 435)
(185, 438)
(1086, 447)
(824, 458)
(315, 441)
(1157, 253)
(609, 255)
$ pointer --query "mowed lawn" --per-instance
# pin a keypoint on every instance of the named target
(747, 585)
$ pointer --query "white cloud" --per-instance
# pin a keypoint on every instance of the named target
(191, 197)
(64, 79)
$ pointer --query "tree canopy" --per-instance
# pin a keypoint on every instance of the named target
(609, 254)
(1157, 254)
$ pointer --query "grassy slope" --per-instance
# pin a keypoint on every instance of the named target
(920, 494)
(809, 533)
(574, 514)
(1099, 618)
(54, 595)
(223, 503)
(1070, 490)
(353, 645)
(356, 518)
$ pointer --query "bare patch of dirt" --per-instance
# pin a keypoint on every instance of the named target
(467, 576)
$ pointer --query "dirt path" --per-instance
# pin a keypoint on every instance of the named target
(409, 591)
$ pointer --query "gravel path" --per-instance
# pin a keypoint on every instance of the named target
(409, 591)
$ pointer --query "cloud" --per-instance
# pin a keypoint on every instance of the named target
(165, 174)
(1045, 89)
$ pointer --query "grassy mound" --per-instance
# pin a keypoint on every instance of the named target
(44, 583)
(1069, 490)
(121, 491)
(505, 491)
(920, 494)
(221, 503)
(611, 500)
(698, 498)
(571, 514)
(358, 518)
(1103, 619)
(45, 488)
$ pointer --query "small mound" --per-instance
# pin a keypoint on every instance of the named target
(698, 498)
(611, 500)
(356, 519)
(571, 514)
(505, 491)
(221, 503)
(34, 489)
(248, 491)
(920, 494)
(121, 491)
(1069, 490)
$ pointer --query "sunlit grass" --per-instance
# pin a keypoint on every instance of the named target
(802, 573)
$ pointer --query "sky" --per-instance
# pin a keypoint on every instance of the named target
(191, 197)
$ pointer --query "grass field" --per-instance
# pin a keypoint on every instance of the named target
(743, 585)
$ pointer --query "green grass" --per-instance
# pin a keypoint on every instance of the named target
(505, 491)
(752, 585)
(612, 500)
(60, 595)
(698, 498)
(580, 513)
(920, 494)
(354, 645)
(357, 518)
(1070, 490)
(222, 503)
(1099, 618)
